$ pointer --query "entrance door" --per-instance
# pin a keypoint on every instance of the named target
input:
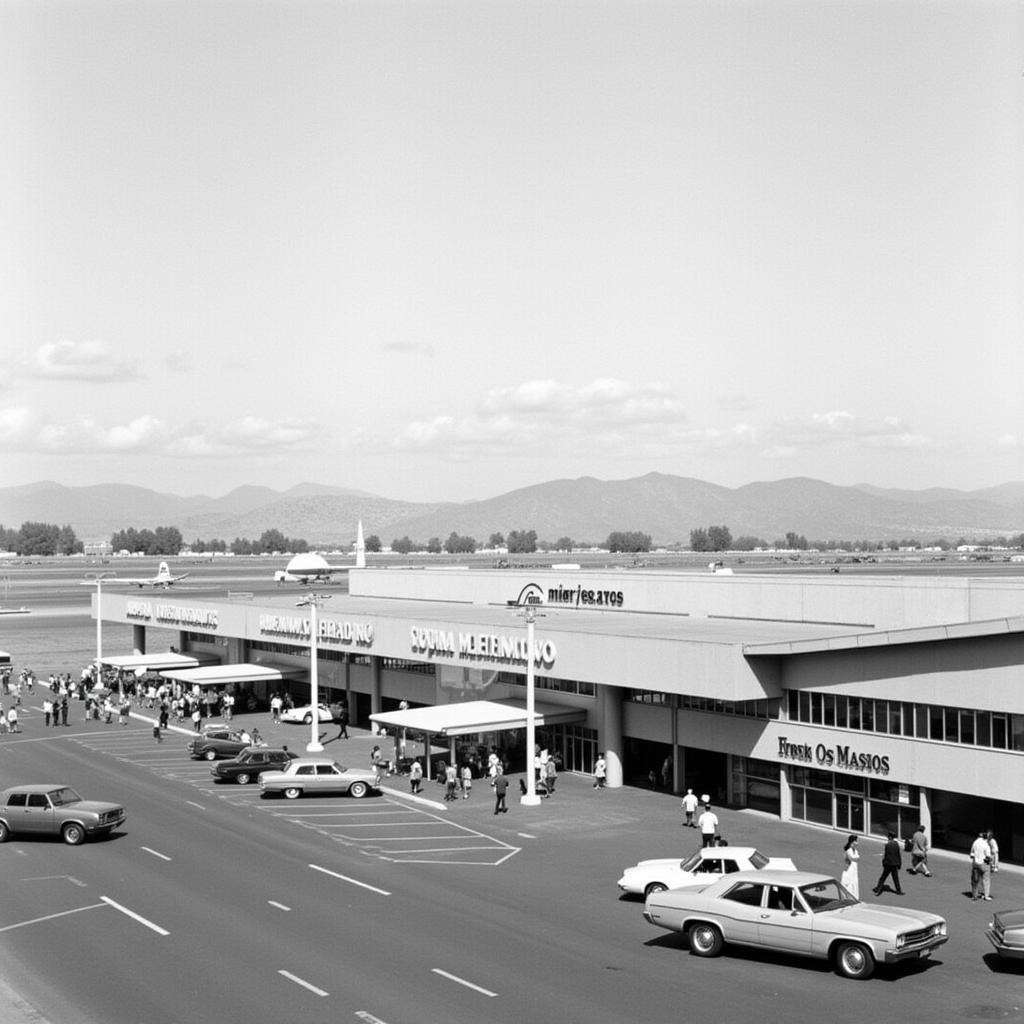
(850, 812)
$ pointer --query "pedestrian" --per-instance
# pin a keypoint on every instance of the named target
(416, 776)
(666, 772)
(47, 711)
(339, 712)
(123, 710)
(981, 868)
(708, 825)
(157, 735)
(377, 764)
(652, 779)
(467, 781)
(275, 709)
(12, 719)
(196, 717)
(919, 853)
(892, 861)
(64, 709)
(600, 771)
(164, 717)
(500, 788)
(257, 739)
(690, 805)
(850, 878)
(993, 847)
(450, 781)
(552, 775)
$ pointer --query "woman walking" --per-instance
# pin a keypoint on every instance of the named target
(851, 874)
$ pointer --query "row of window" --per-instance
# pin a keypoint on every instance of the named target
(746, 708)
(550, 683)
(996, 729)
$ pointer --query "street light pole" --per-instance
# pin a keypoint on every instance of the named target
(530, 797)
(96, 579)
(312, 601)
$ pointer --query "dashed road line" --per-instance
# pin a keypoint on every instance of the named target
(352, 881)
(462, 981)
(305, 984)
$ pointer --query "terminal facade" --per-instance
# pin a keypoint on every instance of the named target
(859, 703)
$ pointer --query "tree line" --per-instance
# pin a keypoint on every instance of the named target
(40, 539)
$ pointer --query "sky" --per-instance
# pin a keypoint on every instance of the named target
(438, 251)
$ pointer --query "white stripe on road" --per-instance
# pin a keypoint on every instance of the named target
(194, 804)
(135, 917)
(305, 984)
(162, 856)
(49, 917)
(280, 906)
(352, 881)
(462, 981)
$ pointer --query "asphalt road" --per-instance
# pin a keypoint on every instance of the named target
(214, 904)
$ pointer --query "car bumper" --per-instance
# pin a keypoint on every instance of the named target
(916, 952)
(1011, 952)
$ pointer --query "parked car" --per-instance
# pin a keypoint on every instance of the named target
(795, 912)
(246, 767)
(317, 775)
(706, 865)
(304, 714)
(1006, 933)
(217, 743)
(55, 810)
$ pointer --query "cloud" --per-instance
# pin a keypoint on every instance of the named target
(407, 348)
(838, 427)
(90, 361)
(1010, 442)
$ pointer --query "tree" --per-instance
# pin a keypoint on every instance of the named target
(564, 544)
(699, 540)
(38, 539)
(68, 543)
(273, 540)
(456, 545)
(628, 541)
(719, 538)
(372, 543)
(522, 542)
(746, 543)
(496, 540)
(434, 546)
(402, 545)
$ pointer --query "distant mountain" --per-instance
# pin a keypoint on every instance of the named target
(586, 509)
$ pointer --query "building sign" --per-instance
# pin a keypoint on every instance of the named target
(842, 758)
(479, 646)
(581, 597)
(329, 631)
(171, 614)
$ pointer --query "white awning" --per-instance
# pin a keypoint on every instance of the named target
(222, 675)
(477, 716)
(158, 662)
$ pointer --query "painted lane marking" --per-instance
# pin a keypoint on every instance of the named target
(194, 804)
(525, 835)
(352, 881)
(305, 984)
(368, 1017)
(162, 856)
(49, 917)
(280, 906)
(134, 916)
(462, 981)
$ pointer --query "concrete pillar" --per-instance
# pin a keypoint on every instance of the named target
(375, 673)
(138, 638)
(610, 732)
(926, 811)
(785, 795)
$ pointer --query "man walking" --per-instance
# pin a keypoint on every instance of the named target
(981, 868)
(892, 861)
(690, 805)
(708, 825)
(919, 854)
(500, 789)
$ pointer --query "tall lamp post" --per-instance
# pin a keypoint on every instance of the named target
(530, 797)
(312, 602)
(95, 579)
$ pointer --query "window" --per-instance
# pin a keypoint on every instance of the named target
(829, 709)
(305, 769)
(999, 732)
(967, 727)
(17, 800)
(983, 728)
(816, 708)
(952, 732)
(711, 866)
(747, 893)
(38, 802)
(780, 898)
(867, 715)
(841, 712)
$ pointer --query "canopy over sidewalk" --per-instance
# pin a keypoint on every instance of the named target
(223, 675)
(158, 662)
(477, 716)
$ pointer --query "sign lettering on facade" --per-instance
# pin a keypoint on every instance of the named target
(336, 631)
(840, 757)
(479, 646)
(175, 614)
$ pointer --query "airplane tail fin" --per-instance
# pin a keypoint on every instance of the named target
(163, 570)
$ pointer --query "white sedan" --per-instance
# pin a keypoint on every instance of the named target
(706, 865)
(305, 714)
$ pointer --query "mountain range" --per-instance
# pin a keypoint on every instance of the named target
(586, 509)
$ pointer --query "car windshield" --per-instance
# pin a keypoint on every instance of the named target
(64, 795)
(827, 894)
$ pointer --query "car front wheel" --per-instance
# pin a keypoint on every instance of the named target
(854, 960)
(357, 789)
(72, 833)
(293, 792)
(307, 719)
(210, 755)
(244, 778)
(4, 832)
(655, 887)
(705, 939)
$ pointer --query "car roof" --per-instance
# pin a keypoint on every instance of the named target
(729, 851)
(773, 876)
(37, 787)
(315, 760)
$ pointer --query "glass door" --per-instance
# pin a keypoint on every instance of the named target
(850, 813)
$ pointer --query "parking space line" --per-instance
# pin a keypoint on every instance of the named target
(305, 984)
(49, 917)
(352, 881)
(162, 856)
(462, 981)
(134, 916)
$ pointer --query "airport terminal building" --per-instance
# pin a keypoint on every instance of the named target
(853, 702)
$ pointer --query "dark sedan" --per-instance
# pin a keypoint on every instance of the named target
(210, 746)
(246, 767)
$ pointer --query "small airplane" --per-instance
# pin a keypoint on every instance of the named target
(163, 578)
(308, 568)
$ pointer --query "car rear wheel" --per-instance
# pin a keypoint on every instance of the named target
(72, 833)
(655, 887)
(293, 792)
(357, 789)
(705, 939)
(307, 719)
(4, 832)
(244, 778)
(854, 960)
(210, 755)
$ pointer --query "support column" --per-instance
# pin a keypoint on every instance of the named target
(785, 795)
(138, 638)
(375, 674)
(610, 732)
(926, 812)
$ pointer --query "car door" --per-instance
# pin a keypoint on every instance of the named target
(741, 912)
(39, 814)
(329, 779)
(785, 921)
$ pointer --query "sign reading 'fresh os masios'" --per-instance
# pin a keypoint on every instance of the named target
(839, 757)
(477, 646)
(178, 614)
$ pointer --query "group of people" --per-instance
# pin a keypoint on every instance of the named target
(984, 859)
